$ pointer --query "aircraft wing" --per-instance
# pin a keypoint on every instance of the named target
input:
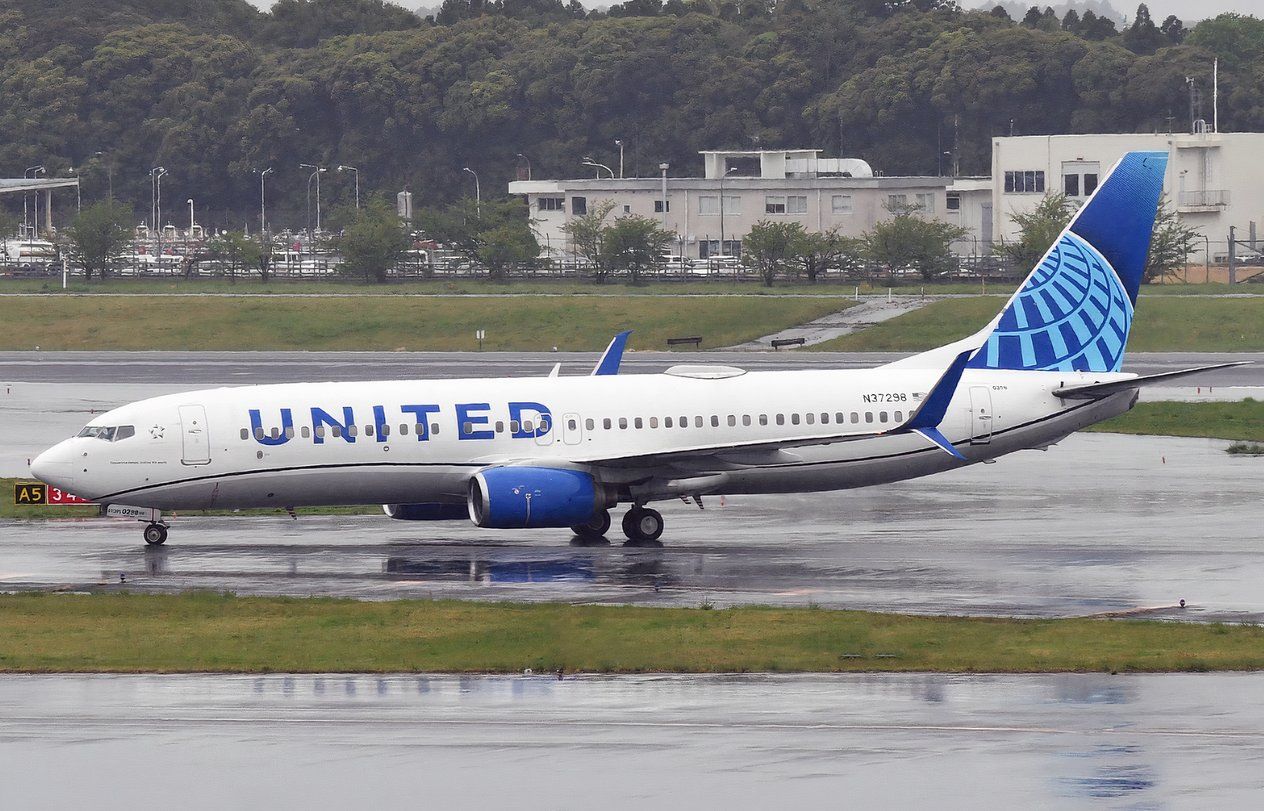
(1092, 391)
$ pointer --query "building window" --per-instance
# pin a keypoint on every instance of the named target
(1025, 182)
(797, 204)
(627, 209)
(841, 204)
(579, 206)
(552, 203)
(1071, 185)
(662, 205)
(774, 205)
(1090, 183)
(895, 202)
(953, 201)
(926, 202)
(708, 204)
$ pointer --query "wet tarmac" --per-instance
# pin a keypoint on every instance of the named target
(887, 741)
(1101, 523)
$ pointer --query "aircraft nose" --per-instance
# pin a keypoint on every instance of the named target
(53, 467)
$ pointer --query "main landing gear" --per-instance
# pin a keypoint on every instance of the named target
(156, 534)
(641, 524)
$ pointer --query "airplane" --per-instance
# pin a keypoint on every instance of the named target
(563, 451)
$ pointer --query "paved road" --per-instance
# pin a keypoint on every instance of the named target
(186, 369)
(868, 741)
(1157, 521)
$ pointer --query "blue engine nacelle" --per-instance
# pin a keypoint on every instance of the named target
(520, 497)
(426, 512)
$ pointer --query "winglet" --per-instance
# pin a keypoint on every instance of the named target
(935, 405)
(610, 359)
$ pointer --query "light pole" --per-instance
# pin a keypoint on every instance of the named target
(357, 181)
(726, 173)
(619, 143)
(588, 161)
(663, 168)
(33, 172)
(158, 206)
(154, 174)
(191, 219)
(263, 207)
(78, 193)
(528, 160)
(316, 171)
(478, 192)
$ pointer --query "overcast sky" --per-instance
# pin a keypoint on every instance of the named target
(1185, 9)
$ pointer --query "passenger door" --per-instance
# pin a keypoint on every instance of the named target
(572, 429)
(195, 435)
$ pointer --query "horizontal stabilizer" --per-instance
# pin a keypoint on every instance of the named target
(1092, 391)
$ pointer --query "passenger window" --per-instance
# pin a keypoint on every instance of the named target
(684, 422)
(653, 422)
(855, 418)
(838, 418)
(467, 428)
(259, 434)
(434, 429)
(899, 416)
(544, 424)
(320, 431)
(781, 419)
(500, 427)
(274, 433)
(697, 422)
(824, 418)
(623, 423)
(794, 419)
(368, 430)
(403, 429)
(667, 422)
(589, 424)
(571, 425)
(307, 432)
(352, 431)
(528, 426)
(419, 427)
(746, 419)
(715, 421)
(335, 431)
(732, 421)
(638, 423)
(289, 432)
(386, 430)
(868, 416)
(245, 434)
(882, 416)
(605, 423)
(763, 419)
(513, 426)
(811, 418)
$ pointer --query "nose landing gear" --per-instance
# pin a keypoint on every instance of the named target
(156, 534)
(642, 525)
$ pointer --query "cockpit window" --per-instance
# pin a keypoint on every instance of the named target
(110, 433)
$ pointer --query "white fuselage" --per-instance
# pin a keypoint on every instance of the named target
(421, 441)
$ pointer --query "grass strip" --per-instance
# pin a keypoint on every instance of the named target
(373, 323)
(200, 632)
(1243, 420)
(1163, 324)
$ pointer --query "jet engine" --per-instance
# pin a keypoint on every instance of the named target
(426, 512)
(519, 497)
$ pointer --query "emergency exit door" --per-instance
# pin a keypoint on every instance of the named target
(194, 435)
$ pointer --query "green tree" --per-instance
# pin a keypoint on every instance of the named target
(268, 245)
(1171, 243)
(1038, 229)
(635, 245)
(588, 234)
(908, 240)
(493, 234)
(772, 248)
(235, 252)
(374, 240)
(98, 236)
(819, 251)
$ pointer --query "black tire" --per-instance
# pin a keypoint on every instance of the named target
(642, 524)
(155, 534)
(595, 527)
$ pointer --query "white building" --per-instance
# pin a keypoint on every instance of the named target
(1214, 180)
(710, 215)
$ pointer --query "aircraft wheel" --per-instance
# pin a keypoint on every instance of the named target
(642, 524)
(595, 527)
(155, 534)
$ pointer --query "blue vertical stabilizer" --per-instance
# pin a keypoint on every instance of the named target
(1074, 312)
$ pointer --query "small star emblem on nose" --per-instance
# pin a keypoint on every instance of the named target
(156, 432)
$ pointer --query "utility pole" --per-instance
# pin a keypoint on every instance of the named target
(357, 182)
(263, 208)
(478, 193)
(619, 143)
(663, 168)
(316, 172)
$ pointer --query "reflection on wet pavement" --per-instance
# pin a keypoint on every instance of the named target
(336, 740)
(1154, 521)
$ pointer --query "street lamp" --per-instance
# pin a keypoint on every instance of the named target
(528, 160)
(316, 171)
(588, 161)
(478, 192)
(726, 173)
(154, 174)
(663, 167)
(619, 143)
(190, 220)
(32, 172)
(357, 181)
(263, 208)
(158, 204)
